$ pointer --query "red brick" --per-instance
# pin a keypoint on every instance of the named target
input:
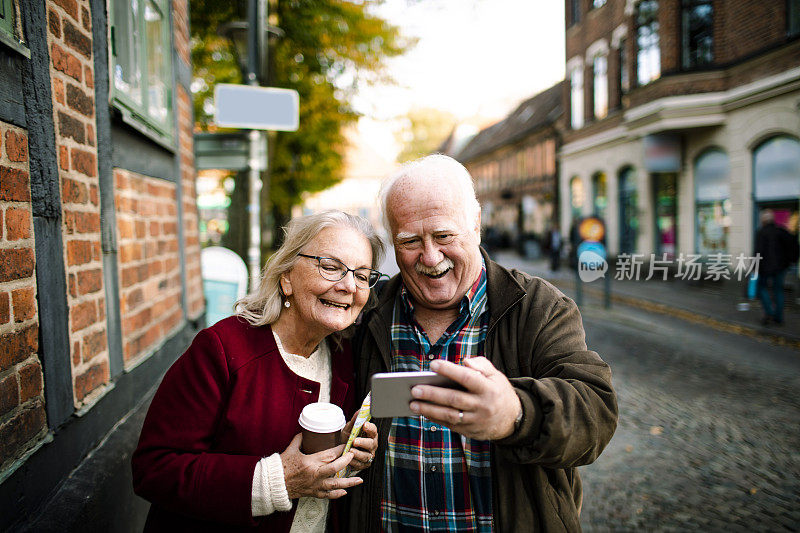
(69, 126)
(73, 285)
(17, 346)
(76, 353)
(88, 77)
(91, 379)
(54, 23)
(125, 228)
(90, 281)
(96, 250)
(9, 394)
(16, 263)
(86, 19)
(82, 222)
(5, 308)
(80, 101)
(83, 315)
(93, 344)
(70, 6)
(84, 162)
(77, 40)
(65, 62)
(73, 192)
(24, 301)
(101, 309)
(20, 429)
(30, 382)
(90, 134)
(94, 194)
(79, 252)
(16, 146)
(63, 157)
(18, 224)
(58, 91)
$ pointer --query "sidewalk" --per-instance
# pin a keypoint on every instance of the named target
(720, 305)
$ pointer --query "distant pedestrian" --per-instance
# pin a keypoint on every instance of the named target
(778, 249)
(554, 243)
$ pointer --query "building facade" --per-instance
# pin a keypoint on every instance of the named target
(682, 121)
(513, 164)
(100, 283)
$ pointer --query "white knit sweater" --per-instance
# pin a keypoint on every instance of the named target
(269, 486)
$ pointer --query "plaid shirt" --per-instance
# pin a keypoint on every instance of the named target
(437, 480)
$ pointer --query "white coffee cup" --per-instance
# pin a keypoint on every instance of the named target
(322, 423)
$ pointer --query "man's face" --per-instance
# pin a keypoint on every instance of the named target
(435, 242)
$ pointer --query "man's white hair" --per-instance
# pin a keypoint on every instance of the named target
(434, 166)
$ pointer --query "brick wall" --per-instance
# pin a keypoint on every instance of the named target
(70, 44)
(180, 16)
(22, 415)
(149, 267)
(191, 230)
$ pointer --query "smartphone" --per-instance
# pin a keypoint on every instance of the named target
(391, 391)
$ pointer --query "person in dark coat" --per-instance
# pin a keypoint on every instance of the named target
(778, 249)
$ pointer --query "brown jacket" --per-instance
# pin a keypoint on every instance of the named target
(535, 338)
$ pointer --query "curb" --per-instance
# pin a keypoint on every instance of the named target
(684, 314)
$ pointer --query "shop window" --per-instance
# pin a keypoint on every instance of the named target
(777, 168)
(142, 65)
(575, 10)
(793, 17)
(628, 217)
(599, 194)
(576, 197)
(648, 52)
(600, 68)
(576, 92)
(712, 202)
(697, 33)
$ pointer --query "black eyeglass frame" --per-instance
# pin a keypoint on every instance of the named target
(376, 273)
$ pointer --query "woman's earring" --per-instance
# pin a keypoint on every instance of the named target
(286, 304)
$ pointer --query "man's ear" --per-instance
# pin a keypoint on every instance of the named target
(478, 226)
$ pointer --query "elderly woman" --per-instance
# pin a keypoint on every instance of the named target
(220, 447)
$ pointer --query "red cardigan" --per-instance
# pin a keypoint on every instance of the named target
(226, 403)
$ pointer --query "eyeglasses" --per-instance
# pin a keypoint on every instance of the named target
(334, 270)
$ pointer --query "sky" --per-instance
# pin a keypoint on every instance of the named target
(476, 59)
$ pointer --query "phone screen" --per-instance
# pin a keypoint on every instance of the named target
(391, 391)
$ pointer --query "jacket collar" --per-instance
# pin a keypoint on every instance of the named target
(503, 292)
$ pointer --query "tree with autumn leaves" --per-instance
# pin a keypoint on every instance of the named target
(328, 49)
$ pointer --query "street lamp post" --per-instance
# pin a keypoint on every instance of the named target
(249, 40)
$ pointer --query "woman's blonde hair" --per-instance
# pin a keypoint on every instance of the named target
(263, 306)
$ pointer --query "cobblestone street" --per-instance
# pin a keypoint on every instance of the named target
(708, 438)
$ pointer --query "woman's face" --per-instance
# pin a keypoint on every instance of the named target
(320, 306)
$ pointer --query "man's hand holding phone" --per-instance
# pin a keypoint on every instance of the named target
(486, 409)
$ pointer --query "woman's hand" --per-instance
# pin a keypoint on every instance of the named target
(311, 475)
(364, 447)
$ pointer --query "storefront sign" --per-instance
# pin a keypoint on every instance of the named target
(662, 152)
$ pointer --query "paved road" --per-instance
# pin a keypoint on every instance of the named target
(709, 433)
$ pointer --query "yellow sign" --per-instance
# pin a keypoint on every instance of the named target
(592, 229)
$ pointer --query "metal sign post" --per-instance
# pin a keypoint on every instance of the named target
(256, 108)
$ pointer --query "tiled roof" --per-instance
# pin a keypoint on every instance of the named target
(540, 110)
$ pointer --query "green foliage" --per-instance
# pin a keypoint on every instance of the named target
(424, 131)
(329, 49)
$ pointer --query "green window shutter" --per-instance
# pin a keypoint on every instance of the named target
(7, 17)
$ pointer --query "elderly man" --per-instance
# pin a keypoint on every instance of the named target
(500, 455)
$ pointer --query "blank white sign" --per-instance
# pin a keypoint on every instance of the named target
(256, 108)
